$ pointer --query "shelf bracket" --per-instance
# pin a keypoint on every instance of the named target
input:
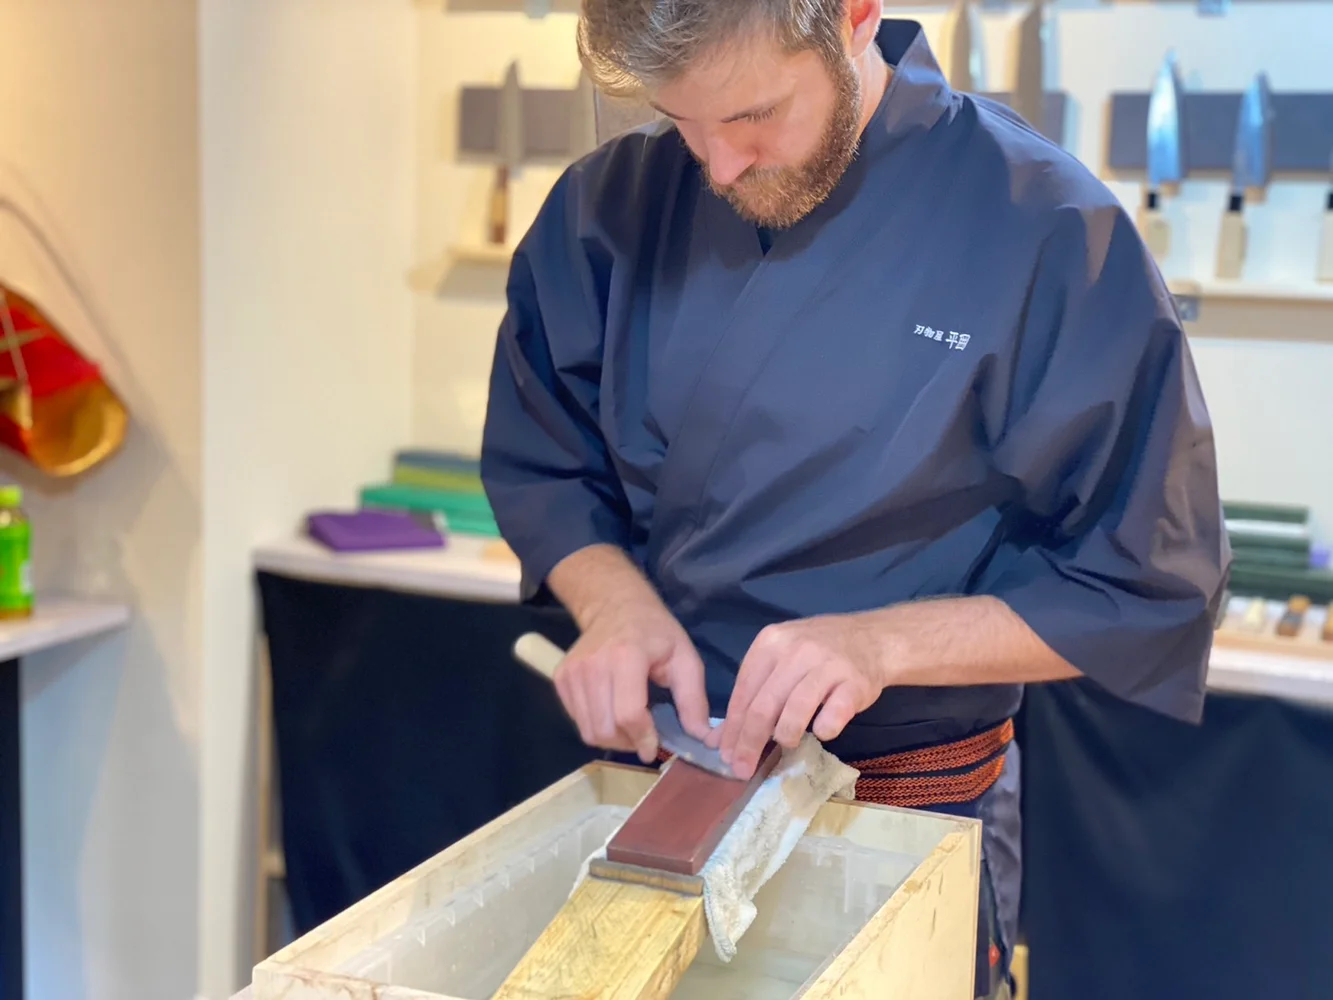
(1188, 307)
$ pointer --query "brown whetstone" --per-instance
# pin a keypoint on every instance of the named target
(681, 820)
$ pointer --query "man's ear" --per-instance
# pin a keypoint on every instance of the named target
(862, 24)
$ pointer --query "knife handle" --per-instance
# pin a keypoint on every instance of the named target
(1324, 270)
(1154, 228)
(498, 215)
(1231, 241)
(538, 652)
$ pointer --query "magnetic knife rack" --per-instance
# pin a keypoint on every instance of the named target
(1302, 132)
(547, 120)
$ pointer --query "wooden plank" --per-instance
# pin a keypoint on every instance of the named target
(922, 942)
(612, 941)
(683, 818)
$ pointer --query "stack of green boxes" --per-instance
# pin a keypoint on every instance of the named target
(437, 484)
(1275, 555)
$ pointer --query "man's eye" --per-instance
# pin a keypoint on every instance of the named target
(759, 116)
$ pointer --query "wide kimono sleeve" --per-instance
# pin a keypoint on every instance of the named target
(1109, 446)
(547, 471)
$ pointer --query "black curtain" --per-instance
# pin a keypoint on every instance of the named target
(402, 723)
(1164, 860)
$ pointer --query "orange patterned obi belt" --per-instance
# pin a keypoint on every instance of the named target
(952, 772)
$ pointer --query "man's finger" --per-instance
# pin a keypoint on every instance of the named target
(805, 700)
(839, 708)
(754, 672)
(629, 698)
(686, 673)
(761, 717)
(599, 689)
(570, 685)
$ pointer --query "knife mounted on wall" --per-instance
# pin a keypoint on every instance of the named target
(1324, 268)
(1252, 167)
(1166, 163)
(1028, 88)
(961, 35)
(509, 154)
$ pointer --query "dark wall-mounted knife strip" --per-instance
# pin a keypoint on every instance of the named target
(546, 120)
(1302, 132)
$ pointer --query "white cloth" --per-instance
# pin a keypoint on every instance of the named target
(765, 834)
(763, 837)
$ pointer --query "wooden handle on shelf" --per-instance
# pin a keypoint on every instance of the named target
(1231, 246)
(538, 652)
(1324, 270)
(1156, 232)
(498, 217)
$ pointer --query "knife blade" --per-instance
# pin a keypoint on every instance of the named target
(508, 151)
(1166, 157)
(1251, 168)
(542, 655)
(1324, 267)
(1029, 90)
(962, 47)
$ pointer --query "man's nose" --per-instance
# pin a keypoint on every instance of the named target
(726, 161)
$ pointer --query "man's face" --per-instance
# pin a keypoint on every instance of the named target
(773, 131)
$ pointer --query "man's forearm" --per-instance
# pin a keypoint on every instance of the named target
(596, 577)
(964, 641)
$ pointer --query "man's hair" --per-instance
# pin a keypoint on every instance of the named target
(626, 45)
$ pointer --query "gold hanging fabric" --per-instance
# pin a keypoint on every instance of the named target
(56, 409)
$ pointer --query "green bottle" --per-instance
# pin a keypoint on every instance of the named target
(15, 555)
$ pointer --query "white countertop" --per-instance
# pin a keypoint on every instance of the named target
(56, 621)
(462, 570)
(1274, 675)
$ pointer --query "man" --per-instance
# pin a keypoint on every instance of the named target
(838, 400)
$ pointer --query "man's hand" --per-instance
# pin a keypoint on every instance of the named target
(791, 669)
(844, 662)
(627, 638)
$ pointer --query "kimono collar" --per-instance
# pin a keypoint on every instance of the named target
(917, 94)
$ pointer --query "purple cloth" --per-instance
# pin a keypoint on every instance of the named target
(371, 530)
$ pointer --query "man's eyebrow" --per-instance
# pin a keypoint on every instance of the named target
(748, 112)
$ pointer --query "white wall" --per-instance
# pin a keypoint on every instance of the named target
(455, 332)
(98, 139)
(1094, 48)
(308, 147)
(264, 353)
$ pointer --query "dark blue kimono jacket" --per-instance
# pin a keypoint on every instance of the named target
(961, 374)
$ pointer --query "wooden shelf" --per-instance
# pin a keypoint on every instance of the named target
(56, 621)
(482, 253)
(1262, 663)
(1311, 292)
(468, 567)
(427, 278)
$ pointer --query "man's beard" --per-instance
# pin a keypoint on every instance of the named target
(780, 197)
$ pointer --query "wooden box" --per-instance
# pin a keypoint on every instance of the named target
(874, 902)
